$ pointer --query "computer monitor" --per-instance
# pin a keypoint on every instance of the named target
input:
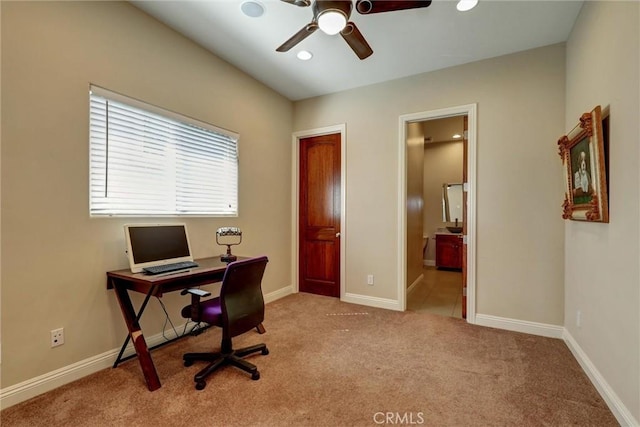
(156, 244)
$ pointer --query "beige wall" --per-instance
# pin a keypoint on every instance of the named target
(442, 130)
(520, 247)
(443, 162)
(415, 172)
(54, 255)
(602, 277)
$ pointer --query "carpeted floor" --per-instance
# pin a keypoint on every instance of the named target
(339, 364)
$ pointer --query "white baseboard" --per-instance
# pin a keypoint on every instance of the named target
(429, 262)
(25, 390)
(619, 410)
(533, 328)
(280, 293)
(390, 304)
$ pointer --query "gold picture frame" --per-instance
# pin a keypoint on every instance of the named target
(583, 155)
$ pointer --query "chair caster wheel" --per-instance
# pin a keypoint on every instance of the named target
(265, 351)
(255, 376)
(188, 363)
(200, 385)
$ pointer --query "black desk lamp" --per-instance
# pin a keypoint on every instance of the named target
(233, 234)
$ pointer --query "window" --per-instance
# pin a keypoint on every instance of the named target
(152, 162)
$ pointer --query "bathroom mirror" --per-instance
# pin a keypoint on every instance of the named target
(452, 203)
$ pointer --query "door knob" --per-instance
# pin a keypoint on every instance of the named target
(338, 234)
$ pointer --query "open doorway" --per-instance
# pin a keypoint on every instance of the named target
(434, 270)
(431, 176)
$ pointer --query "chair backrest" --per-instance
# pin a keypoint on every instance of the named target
(241, 297)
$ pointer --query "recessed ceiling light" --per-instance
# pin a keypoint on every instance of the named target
(464, 5)
(457, 135)
(252, 8)
(304, 55)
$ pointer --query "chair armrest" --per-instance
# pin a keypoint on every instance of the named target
(194, 307)
(197, 292)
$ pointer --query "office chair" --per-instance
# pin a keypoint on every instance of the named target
(238, 309)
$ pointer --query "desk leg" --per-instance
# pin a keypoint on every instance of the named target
(148, 369)
(260, 329)
(126, 340)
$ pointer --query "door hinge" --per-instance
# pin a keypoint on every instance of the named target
(464, 239)
(464, 291)
(465, 187)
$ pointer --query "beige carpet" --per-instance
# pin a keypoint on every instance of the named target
(338, 364)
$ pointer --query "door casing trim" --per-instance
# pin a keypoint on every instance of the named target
(295, 214)
(471, 111)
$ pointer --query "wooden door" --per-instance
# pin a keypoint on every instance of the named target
(319, 215)
(464, 217)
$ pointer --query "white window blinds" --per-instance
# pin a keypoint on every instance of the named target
(148, 161)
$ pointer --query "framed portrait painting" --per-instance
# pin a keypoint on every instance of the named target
(584, 158)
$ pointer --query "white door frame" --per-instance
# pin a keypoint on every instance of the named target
(470, 111)
(295, 214)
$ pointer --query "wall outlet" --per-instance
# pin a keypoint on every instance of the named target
(370, 279)
(57, 337)
(578, 318)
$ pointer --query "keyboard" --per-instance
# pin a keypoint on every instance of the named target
(159, 269)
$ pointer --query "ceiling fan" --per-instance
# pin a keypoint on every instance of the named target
(332, 17)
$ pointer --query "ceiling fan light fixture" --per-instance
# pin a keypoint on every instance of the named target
(332, 21)
(465, 5)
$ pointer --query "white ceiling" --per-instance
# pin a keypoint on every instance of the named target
(404, 42)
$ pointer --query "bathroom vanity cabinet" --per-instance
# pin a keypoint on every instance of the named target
(449, 251)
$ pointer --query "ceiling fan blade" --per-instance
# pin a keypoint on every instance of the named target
(301, 3)
(356, 41)
(298, 37)
(365, 7)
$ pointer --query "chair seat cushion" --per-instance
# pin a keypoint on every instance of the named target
(210, 312)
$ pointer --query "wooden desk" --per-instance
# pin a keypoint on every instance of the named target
(209, 270)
